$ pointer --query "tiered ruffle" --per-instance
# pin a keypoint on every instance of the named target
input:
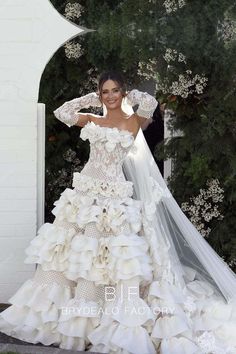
(110, 241)
(104, 260)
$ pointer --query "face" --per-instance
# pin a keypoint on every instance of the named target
(111, 94)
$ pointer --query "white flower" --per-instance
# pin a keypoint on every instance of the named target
(110, 216)
(170, 55)
(87, 214)
(206, 341)
(133, 150)
(65, 207)
(113, 137)
(73, 10)
(202, 211)
(148, 69)
(226, 30)
(157, 191)
(134, 216)
(110, 146)
(184, 86)
(73, 50)
(84, 133)
(149, 209)
(189, 304)
(126, 139)
(95, 132)
(173, 5)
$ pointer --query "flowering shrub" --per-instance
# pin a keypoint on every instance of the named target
(187, 50)
(185, 85)
(73, 10)
(73, 50)
(173, 5)
(204, 207)
(172, 55)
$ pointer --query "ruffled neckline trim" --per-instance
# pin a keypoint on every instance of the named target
(111, 136)
(122, 131)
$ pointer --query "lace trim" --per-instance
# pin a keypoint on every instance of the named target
(95, 186)
(68, 112)
(147, 103)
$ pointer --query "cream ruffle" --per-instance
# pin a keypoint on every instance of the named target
(121, 329)
(33, 315)
(50, 247)
(41, 313)
(94, 186)
(107, 213)
(105, 260)
(191, 319)
(175, 319)
(109, 259)
(77, 320)
(116, 338)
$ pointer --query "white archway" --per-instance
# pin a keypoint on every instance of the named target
(30, 34)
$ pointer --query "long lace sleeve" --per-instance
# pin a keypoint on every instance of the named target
(68, 112)
(147, 103)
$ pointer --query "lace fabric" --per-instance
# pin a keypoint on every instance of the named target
(108, 149)
(96, 186)
(147, 103)
(68, 112)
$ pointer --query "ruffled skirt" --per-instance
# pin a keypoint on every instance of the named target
(99, 287)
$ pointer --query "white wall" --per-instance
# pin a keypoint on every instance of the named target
(168, 135)
(30, 33)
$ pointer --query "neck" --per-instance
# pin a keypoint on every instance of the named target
(115, 114)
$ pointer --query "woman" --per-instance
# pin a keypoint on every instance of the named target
(121, 269)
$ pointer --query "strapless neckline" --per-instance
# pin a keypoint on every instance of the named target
(111, 128)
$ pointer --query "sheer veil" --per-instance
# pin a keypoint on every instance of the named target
(177, 246)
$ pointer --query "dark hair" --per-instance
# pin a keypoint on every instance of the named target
(114, 76)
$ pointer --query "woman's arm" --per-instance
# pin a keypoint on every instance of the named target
(68, 112)
(147, 104)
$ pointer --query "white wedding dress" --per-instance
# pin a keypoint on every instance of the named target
(94, 287)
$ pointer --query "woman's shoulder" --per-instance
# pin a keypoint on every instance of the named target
(94, 117)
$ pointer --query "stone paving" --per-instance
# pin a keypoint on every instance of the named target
(14, 345)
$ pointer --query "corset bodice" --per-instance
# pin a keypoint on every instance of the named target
(108, 149)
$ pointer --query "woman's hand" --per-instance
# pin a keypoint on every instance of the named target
(146, 103)
(94, 99)
(133, 96)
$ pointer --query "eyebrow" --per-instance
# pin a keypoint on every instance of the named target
(117, 87)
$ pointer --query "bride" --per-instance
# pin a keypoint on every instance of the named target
(122, 269)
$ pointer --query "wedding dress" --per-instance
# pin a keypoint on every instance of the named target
(109, 277)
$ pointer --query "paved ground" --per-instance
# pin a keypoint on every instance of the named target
(10, 344)
(14, 345)
(33, 349)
